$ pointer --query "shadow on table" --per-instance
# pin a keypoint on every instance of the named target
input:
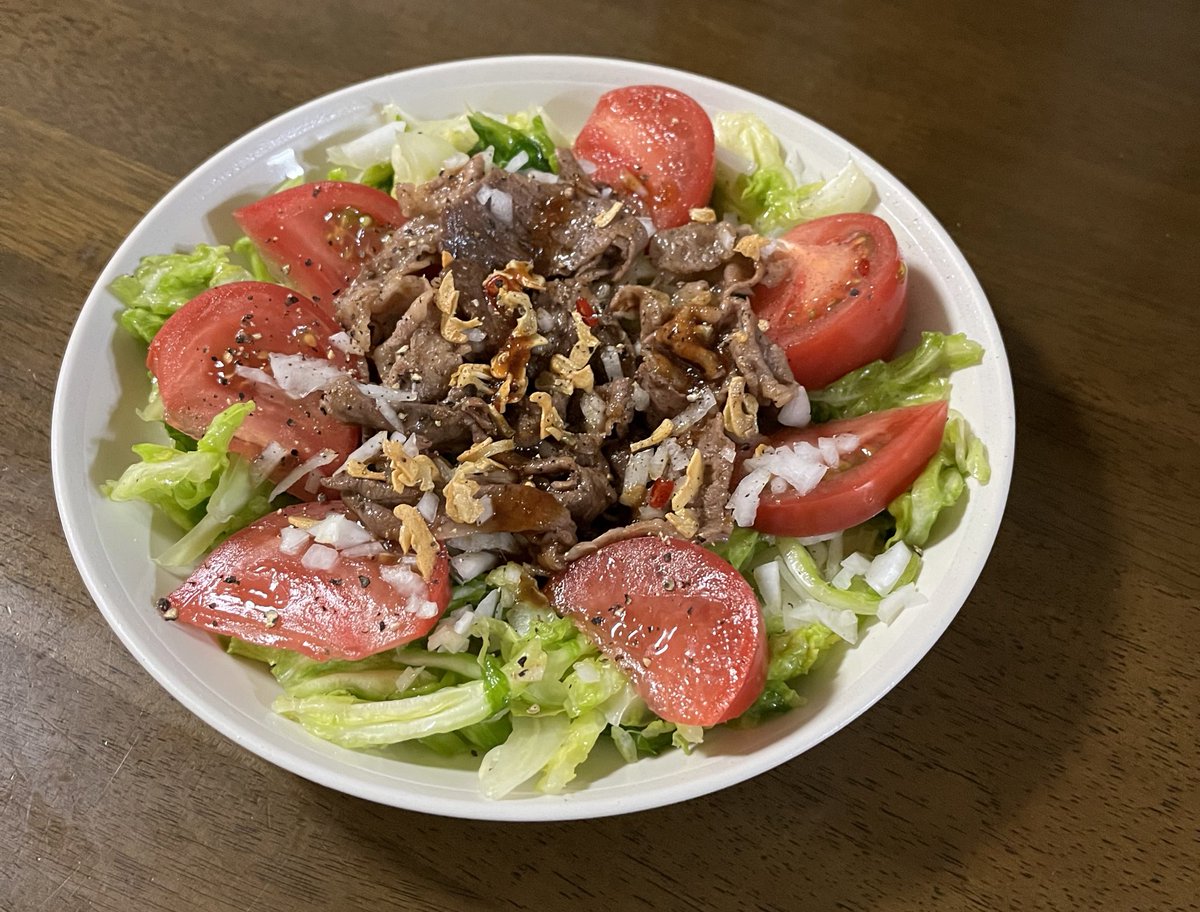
(901, 796)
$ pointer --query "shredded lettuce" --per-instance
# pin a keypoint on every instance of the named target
(163, 283)
(741, 547)
(942, 482)
(206, 490)
(754, 181)
(920, 375)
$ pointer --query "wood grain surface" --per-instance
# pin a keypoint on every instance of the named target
(1043, 756)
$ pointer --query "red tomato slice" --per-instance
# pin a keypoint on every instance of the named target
(894, 447)
(679, 620)
(842, 304)
(656, 142)
(319, 234)
(250, 589)
(195, 354)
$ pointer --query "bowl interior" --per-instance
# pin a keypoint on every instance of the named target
(103, 380)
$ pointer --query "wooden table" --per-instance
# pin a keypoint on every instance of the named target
(1044, 755)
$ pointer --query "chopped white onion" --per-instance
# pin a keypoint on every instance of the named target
(269, 459)
(470, 564)
(340, 531)
(483, 194)
(678, 455)
(428, 505)
(371, 447)
(546, 177)
(319, 557)
(637, 471)
(255, 375)
(658, 462)
(293, 540)
(586, 166)
(744, 499)
(841, 621)
(457, 160)
(312, 463)
(893, 603)
(501, 205)
(300, 376)
(486, 509)
(853, 565)
(517, 162)
(887, 568)
(403, 579)
(488, 604)
(366, 549)
(641, 398)
(648, 224)
(343, 343)
(377, 391)
(704, 403)
(593, 408)
(797, 411)
(611, 359)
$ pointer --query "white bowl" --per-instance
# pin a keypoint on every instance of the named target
(103, 379)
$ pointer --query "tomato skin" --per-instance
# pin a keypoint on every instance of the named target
(901, 441)
(223, 323)
(247, 576)
(655, 141)
(842, 303)
(312, 233)
(678, 619)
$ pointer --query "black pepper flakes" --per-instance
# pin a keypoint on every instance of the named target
(334, 581)
(364, 581)
(231, 580)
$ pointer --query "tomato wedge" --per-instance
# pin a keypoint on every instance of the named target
(678, 619)
(249, 588)
(841, 303)
(894, 447)
(320, 234)
(196, 356)
(655, 142)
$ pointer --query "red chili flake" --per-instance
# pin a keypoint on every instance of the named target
(584, 306)
(660, 493)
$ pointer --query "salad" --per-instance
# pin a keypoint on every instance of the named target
(507, 443)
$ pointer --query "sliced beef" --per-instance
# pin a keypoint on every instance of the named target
(718, 453)
(758, 359)
(378, 519)
(379, 492)
(693, 248)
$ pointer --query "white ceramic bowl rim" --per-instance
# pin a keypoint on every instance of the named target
(105, 549)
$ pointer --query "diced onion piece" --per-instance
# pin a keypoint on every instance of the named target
(483, 194)
(470, 564)
(371, 447)
(366, 549)
(744, 499)
(546, 177)
(586, 166)
(611, 359)
(517, 162)
(853, 565)
(256, 375)
(641, 398)
(488, 604)
(894, 602)
(299, 376)
(457, 160)
(501, 205)
(705, 402)
(887, 568)
(648, 224)
(319, 557)
(311, 464)
(797, 411)
(428, 506)
(637, 472)
(841, 621)
(269, 459)
(339, 531)
(403, 579)
(343, 343)
(293, 540)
